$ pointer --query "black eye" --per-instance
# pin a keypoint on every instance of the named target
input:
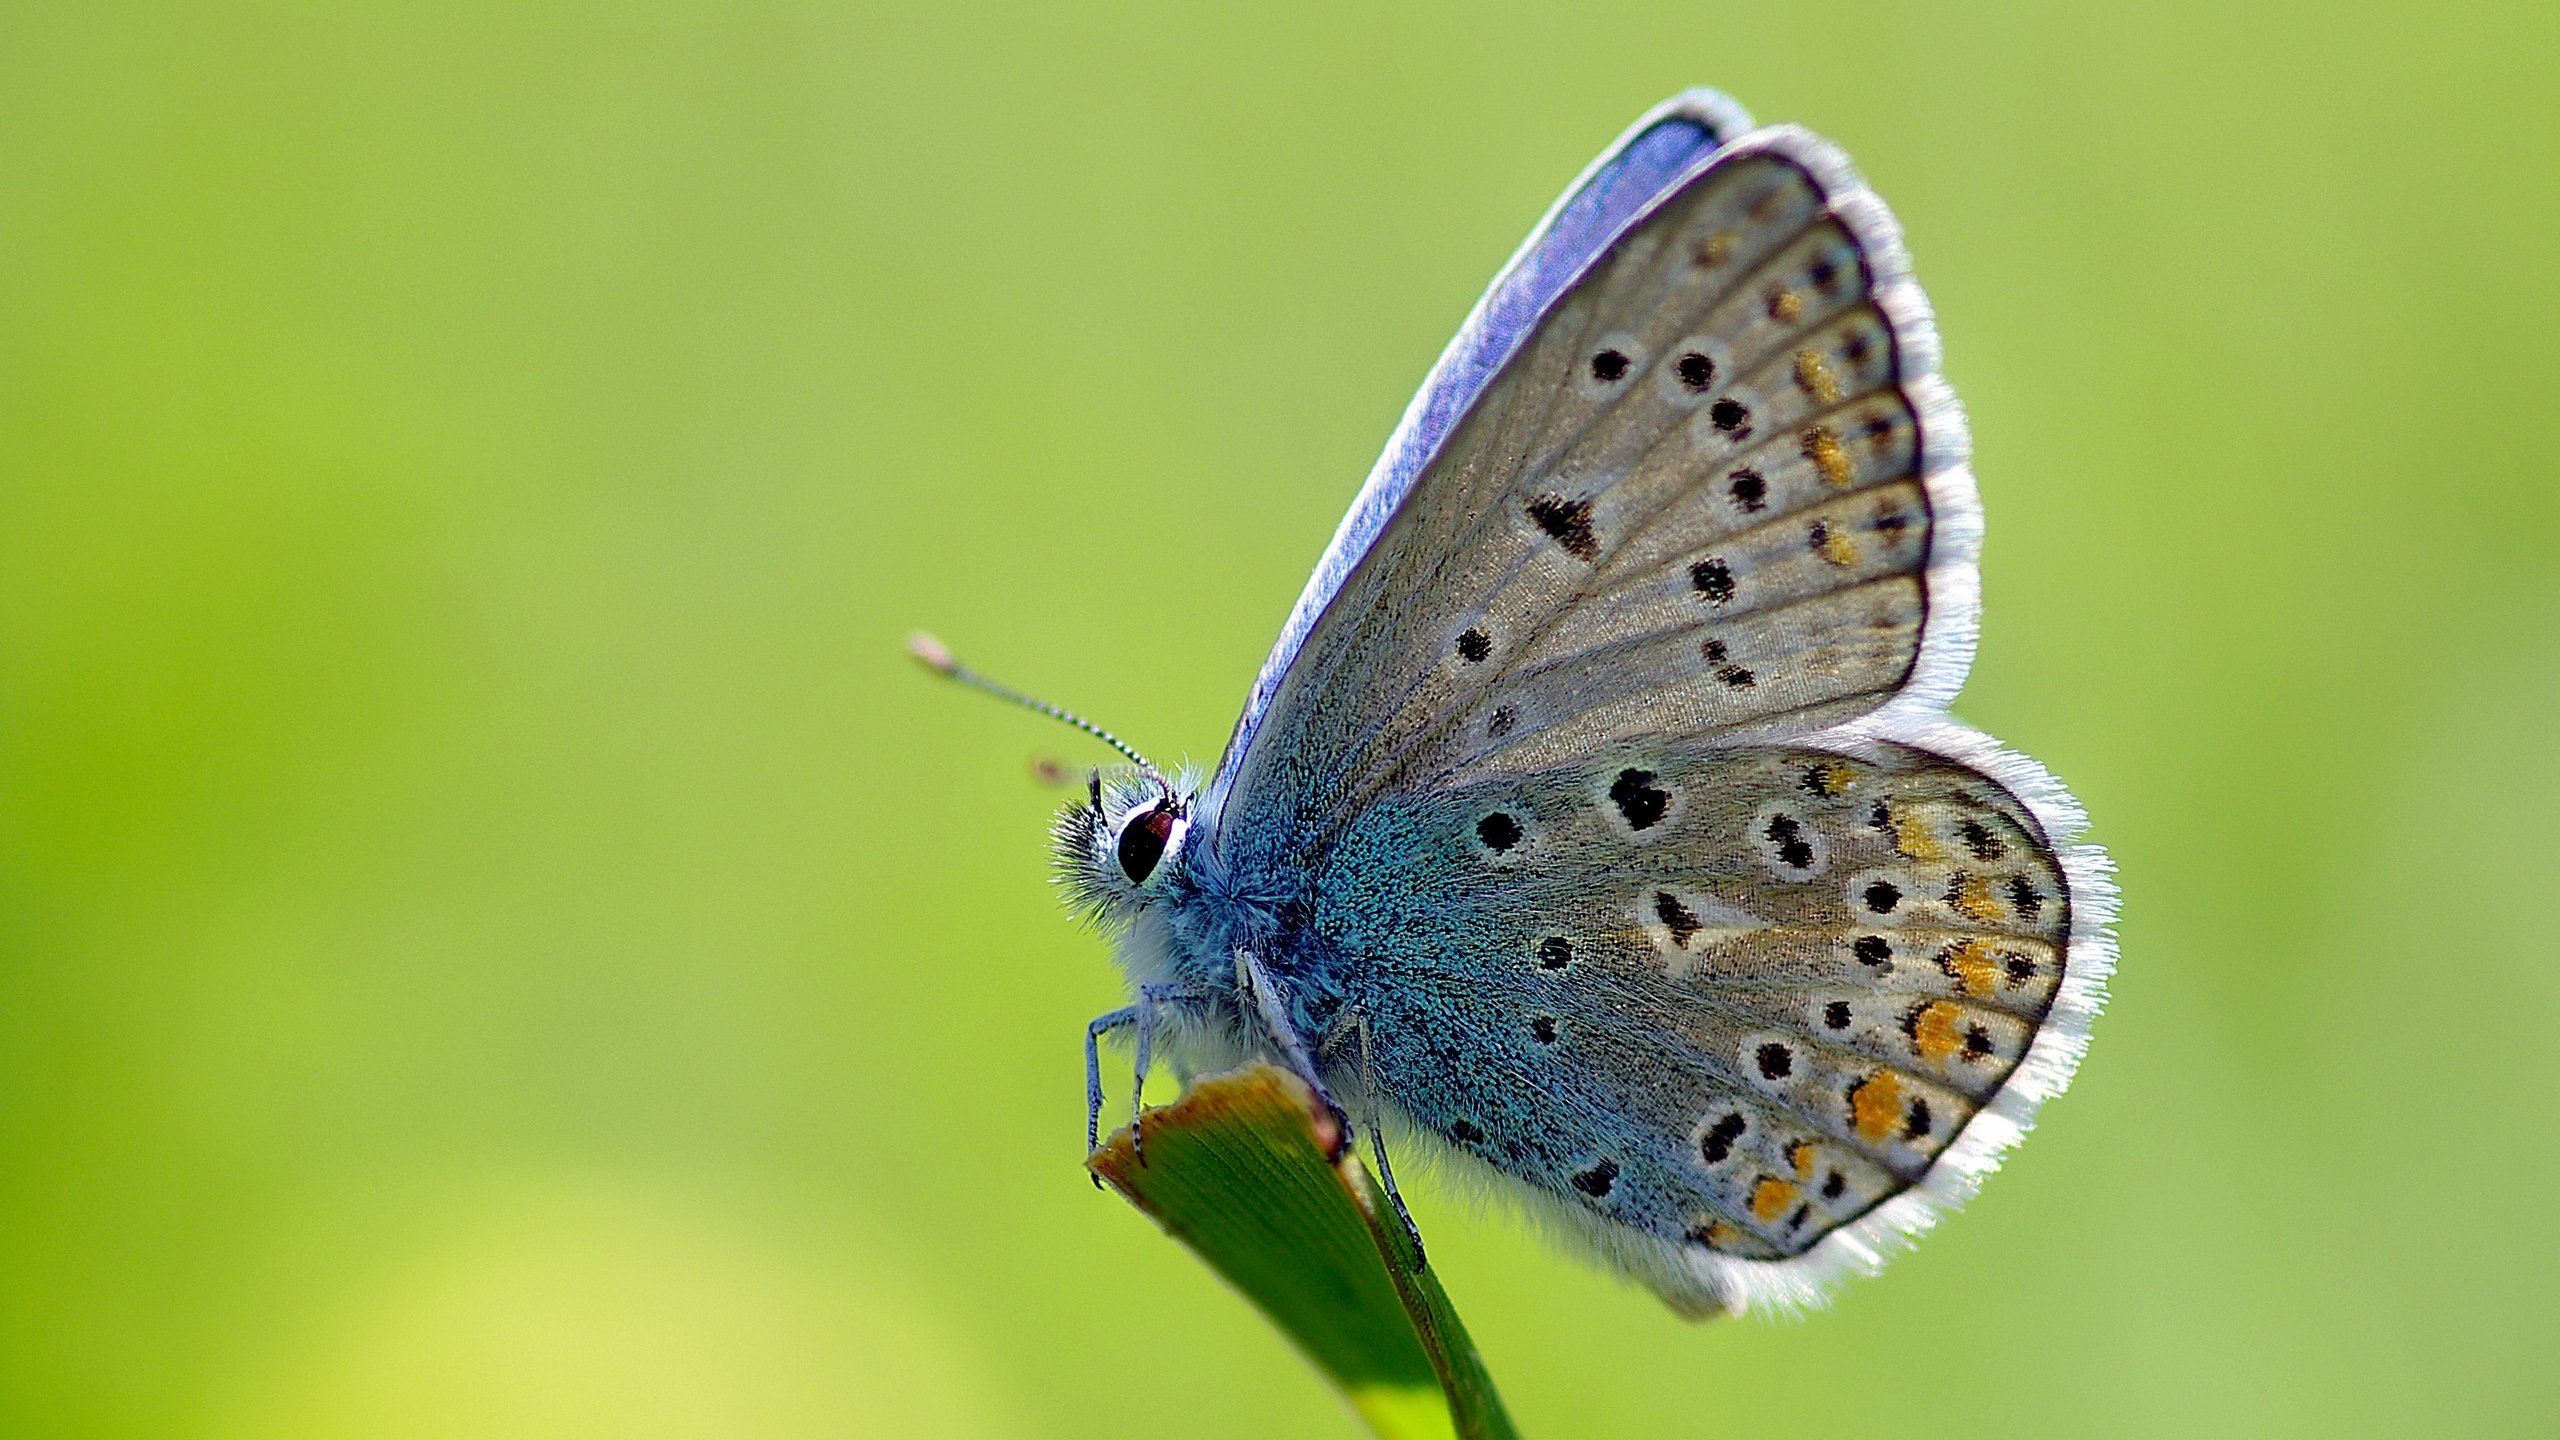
(1142, 842)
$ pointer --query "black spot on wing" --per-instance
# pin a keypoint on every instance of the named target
(1787, 833)
(1639, 799)
(1712, 578)
(1676, 917)
(1717, 1142)
(1567, 522)
(1715, 654)
(1596, 1181)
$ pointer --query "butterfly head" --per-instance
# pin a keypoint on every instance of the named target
(1119, 844)
(1119, 847)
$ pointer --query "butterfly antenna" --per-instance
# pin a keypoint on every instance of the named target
(941, 661)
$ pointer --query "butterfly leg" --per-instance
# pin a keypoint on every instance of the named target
(1353, 1024)
(1378, 1142)
(1149, 996)
(1120, 1019)
(1255, 981)
(1142, 1015)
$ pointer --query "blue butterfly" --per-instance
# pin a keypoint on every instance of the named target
(1597, 823)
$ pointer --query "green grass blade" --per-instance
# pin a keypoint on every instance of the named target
(1238, 1170)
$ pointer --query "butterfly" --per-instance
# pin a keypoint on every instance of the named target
(1597, 824)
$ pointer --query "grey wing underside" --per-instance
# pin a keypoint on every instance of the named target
(1740, 1019)
(1725, 453)
(1708, 531)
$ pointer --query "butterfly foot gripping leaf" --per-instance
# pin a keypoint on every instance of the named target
(1597, 822)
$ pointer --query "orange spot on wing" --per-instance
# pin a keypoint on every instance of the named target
(1969, 895)
(1802, 1155)
(1826, 452)
(1814, 377)
(1770, 1198)
(1785, 305)
(1911, 837)
(1833, 779)
(1834, 545)
(1936, 1031)
(1875, 1105)
(1969, 964)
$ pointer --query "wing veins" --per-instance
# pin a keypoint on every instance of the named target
(1387, 771)
(1560, 661)
(1531, 468)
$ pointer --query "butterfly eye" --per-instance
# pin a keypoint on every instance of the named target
(1142, 841)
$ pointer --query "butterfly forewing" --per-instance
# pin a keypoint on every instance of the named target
(1729, 998)
(1653, 155)
(1696, 500)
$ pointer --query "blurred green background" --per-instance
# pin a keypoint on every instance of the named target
(495, 939)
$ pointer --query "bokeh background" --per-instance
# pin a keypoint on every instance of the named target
(495, 940)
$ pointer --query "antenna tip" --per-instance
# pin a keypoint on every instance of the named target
(929, 650)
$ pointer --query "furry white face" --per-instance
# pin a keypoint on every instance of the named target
(1116, 846)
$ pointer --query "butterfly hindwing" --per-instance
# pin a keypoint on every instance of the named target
(1717, 489)
(1709, 1005)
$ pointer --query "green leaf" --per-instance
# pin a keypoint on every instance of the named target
(1243, 1170)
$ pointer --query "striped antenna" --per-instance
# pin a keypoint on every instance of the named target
(940, 661)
